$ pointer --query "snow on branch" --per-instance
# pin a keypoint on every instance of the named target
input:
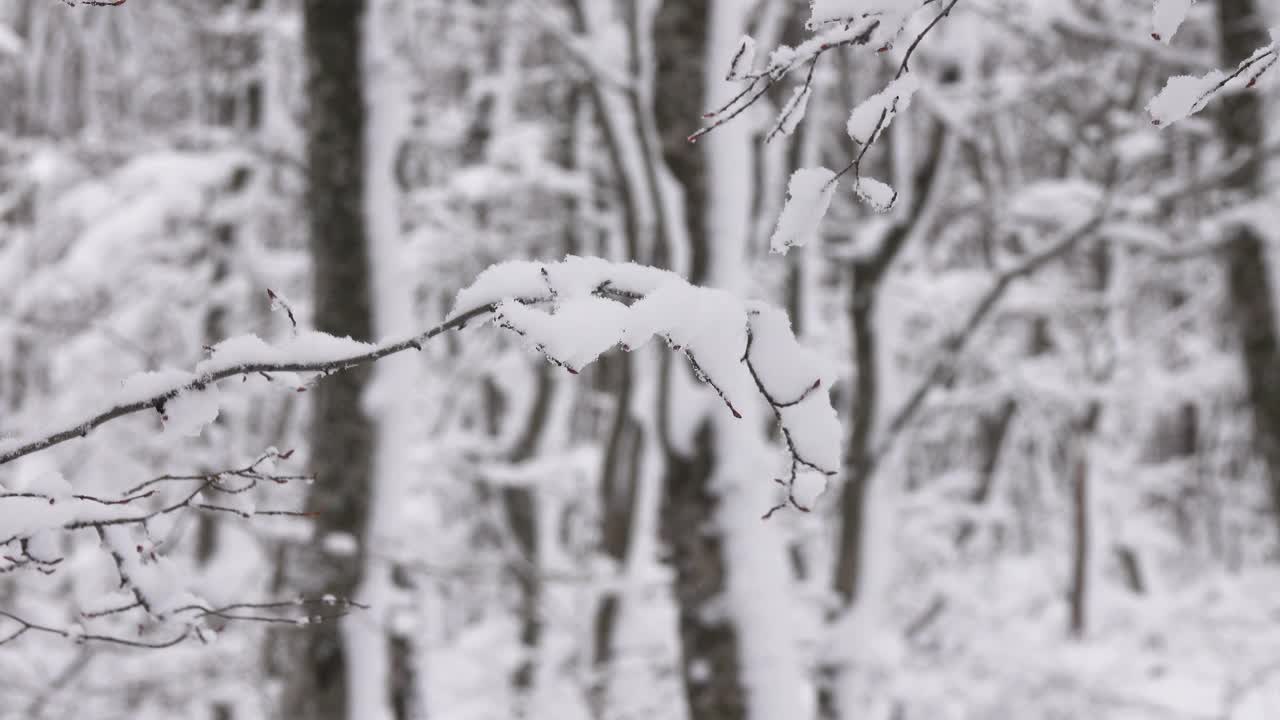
(151, 594)
(32, 513)
(1167, 16)
(195, 621)
(743, 350)
(242, 357)
(46, 502)
(1186, 95)
(809, 195)
(836, 23)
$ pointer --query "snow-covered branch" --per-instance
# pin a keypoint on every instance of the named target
(194, 616)
(743, 350)
(1186, 95)
(242, 357)
(48, 503)
(839, 23)
(34, 516)
(94, 3)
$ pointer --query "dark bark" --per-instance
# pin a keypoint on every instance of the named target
(618, 484)
(1240, 126)
(709, 640)
(1080, 545)
(1081, 523)
(993, 434)
(341, 436)
(520, 505)
(680, 32)
(222, 244)
(865, 275)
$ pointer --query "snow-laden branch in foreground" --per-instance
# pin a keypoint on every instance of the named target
(743, 350)
(185, 399)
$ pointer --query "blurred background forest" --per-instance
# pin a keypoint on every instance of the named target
(1060, 492)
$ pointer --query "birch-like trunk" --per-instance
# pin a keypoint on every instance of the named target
(380, 672)
(733, 582)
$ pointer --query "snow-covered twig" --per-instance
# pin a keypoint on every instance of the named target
(1186, 95)
(145, 577)
(906, 58)
(279, 302)
(867, 122)
(212, 372)
(782, 64)
(79, 511)
(266, 612)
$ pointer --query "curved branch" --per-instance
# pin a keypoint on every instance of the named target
(12, 450)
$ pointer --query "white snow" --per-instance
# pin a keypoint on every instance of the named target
(576, 334)
(307, 347)
(876, 193)
(1167, 17)
(793, 111)
(809, 195)
(871, 118)
(1059, 202)
(514, 279)
(786, 367)
(1185, 95)
(893, 13)
(191, 411)
(707, 325)
(10, 43)
(1182, 96)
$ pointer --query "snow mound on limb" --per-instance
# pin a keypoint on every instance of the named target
(575, 310)
(809, 196)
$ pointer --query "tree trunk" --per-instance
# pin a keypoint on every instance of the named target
(1240, 125)
(709, 644)
(865, 279)
(341, 436)
(865, 276)
(1081, 523)
(733, 572)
